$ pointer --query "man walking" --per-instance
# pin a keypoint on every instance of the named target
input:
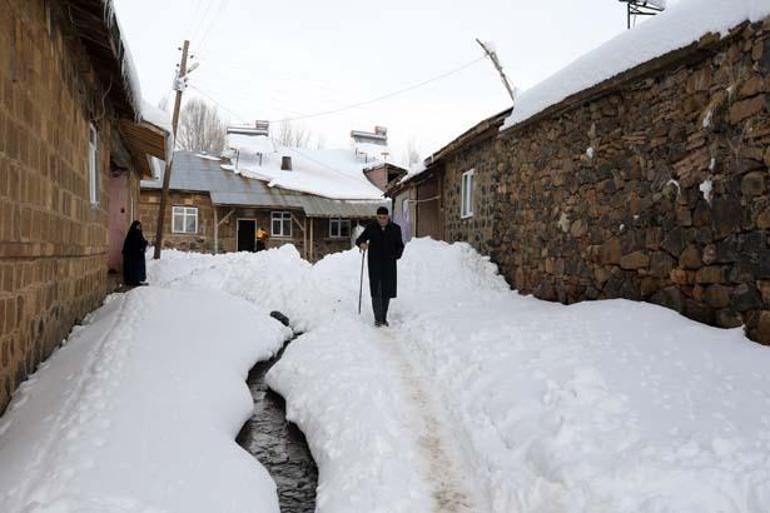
(383, 240)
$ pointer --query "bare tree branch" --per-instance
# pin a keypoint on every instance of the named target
(295, 136)
(201, 128)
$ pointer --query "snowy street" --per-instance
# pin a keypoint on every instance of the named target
(476, 399)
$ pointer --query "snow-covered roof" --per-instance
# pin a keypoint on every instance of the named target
(679, 26)
(331, 173)
(156, 116)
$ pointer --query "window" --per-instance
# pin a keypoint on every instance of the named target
(466, 206)
(185, 220)
(339, 228)
(281, 224)
(93, 171)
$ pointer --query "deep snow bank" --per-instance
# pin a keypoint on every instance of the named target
(602, 406)
(138, 412)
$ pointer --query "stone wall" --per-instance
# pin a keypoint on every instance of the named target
(478, 229)
(203, 241)
(53, 241)
(654, 189)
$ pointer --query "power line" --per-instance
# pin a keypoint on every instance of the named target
(217, 103)
(354, 105)
(203, 18)
(214, 21)
(383, 97)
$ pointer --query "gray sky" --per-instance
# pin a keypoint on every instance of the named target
(272, 60)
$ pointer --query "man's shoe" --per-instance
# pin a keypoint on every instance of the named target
(377, 324)
(386, 324)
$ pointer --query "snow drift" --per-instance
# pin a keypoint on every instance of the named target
(138, 412)
(601, 406)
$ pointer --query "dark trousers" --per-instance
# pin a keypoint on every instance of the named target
(380, 304)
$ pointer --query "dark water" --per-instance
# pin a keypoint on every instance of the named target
(279, 445)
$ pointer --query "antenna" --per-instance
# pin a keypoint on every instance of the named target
(642, 8)
(490, 51)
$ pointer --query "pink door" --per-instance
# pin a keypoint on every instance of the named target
(118, 218)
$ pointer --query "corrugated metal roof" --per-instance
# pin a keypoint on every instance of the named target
(192, 173)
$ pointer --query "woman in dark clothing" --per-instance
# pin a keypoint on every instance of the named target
(382, 238)
(134, 270)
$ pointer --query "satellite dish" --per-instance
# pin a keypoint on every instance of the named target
(643, 8)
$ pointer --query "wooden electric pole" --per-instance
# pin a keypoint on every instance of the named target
(493, 57)
(179, 86)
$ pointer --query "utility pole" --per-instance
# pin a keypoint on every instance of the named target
(493, 57)
(179, 86)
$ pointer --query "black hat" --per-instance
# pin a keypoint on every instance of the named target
(382, 210)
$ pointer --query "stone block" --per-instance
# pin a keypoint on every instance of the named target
(610, 252)
(635, 260)
(753, 184)
(691, 258)
(717, 296)
(745, 109)
(710, 274)
(745, 297)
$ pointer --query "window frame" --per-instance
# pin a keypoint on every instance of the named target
(281, 216)
(186, 212)
(466, 194)
(92, 164)
(340, 222)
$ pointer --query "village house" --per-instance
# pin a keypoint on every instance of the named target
(650, 183)
(75, 139)
(311, 198)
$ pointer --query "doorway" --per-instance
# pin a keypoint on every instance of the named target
(247, 235)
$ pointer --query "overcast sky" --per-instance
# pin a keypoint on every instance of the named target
(279, 59)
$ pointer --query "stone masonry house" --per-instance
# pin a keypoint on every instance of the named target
(72, 149)
(313, 199)
(426, 202)
(648, 183)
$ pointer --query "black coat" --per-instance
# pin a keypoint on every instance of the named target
(385, 247)
(134, 267)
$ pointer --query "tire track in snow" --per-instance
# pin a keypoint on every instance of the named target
(450, 495)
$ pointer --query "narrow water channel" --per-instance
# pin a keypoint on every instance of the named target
(279, 445)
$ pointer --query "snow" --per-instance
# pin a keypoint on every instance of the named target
(414, 170)
(127, 66)
(680, 25)
(479, 399)
(706, 188)
(331, 173)
(138, 412)
(157, 117)
(208, 157)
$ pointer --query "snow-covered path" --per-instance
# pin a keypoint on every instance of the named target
(446, 475)
(533, 407)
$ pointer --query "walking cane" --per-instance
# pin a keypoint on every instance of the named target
(361, 282)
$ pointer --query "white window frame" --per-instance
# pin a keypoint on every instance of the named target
(93, 164)
(281, 216)
(466, 194)
(339, 223)
(185, 212)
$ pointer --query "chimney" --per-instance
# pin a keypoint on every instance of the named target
(286, 163)
(381, 130)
